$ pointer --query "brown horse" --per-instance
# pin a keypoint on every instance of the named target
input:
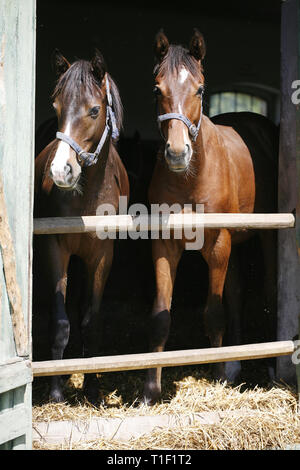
(229, 167)
(74, 174)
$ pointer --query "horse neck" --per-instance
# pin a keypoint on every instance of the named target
(96, 181)
(208, 139)
(95, 174)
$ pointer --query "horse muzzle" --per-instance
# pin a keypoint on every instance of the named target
(64, 178)
(178, 161)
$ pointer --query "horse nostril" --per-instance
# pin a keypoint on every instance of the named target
(180, 152)
(68, 169)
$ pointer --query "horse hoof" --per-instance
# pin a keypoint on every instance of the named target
(56, 396)
(151, 395)
(149, 401)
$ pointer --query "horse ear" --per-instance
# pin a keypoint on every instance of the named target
(59, 62)
(161, 45)
(197, 45)
(98, 65)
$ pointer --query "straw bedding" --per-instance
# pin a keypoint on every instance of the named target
(251, 417)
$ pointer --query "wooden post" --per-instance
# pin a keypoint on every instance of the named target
(298, 187)
(17, 90)
(12, 288)
(288, 198)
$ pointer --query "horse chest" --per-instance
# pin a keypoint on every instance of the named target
(69, 204)
(212, 195)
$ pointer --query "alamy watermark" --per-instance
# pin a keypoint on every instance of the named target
(296, 353)
(296, 94)
(164, 221)
(296, 100)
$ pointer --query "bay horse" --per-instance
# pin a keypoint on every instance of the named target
(74, 174)
(228, 165)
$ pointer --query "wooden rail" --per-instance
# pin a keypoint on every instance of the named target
(119, 223)
(162, 359)
(157, 222)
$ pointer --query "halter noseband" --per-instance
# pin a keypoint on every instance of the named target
(87, 158)
(193, 130)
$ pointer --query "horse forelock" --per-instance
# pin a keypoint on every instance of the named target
(79, 80)
(176, 58)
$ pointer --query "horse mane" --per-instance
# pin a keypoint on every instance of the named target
(80, 78)
(117, 103)
(177, 57)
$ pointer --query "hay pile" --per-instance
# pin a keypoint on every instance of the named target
(250, 418)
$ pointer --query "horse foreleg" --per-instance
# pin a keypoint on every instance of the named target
(166, 255)
(216, 252)
(61, 325)
(97, 273)
(233, 291)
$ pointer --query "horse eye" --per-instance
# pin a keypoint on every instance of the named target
(156, 90)
(93, 112)
(200, 90)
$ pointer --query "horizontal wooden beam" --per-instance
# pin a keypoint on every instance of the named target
(14, 423)
(157, 222)
(15, 375)
(162, 359)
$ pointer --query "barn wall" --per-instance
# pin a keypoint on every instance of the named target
(288, 197)
(17, 66)
(16, 142)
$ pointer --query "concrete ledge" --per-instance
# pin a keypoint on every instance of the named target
(132, 427)
(56, 432)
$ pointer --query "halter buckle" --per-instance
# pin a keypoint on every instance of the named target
(81, 156)
(86, 158)
(193, 130)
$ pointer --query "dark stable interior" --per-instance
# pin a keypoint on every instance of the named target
(243, 46)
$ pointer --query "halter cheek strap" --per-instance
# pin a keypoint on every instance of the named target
(193, 130)
(87, 158)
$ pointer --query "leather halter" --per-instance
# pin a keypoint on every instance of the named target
(87, 158)
(193, 129)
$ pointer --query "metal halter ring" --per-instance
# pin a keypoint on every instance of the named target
(83, 157)
(193, 130)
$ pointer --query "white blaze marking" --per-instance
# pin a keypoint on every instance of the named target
(62, 153)
(183, 75)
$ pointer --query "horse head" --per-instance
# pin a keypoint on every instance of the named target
(83, 102)
(179, 84)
